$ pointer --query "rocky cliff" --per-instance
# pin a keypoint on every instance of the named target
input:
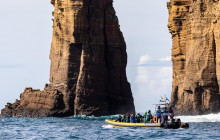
(88, 60)
(195, 25)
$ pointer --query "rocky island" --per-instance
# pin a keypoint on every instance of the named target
(88, 61)
(195, 29)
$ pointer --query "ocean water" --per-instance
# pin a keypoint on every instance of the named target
(94, 128)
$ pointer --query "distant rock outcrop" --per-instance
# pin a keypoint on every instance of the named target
(88, 60)
(195, 29)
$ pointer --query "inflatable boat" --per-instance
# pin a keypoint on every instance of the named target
(126, 125)
(166, 120)
(174, 124)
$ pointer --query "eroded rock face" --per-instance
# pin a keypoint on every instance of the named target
(36, 103)
(88, 60)
(194, 25)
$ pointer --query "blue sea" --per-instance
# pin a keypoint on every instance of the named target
(94, 128)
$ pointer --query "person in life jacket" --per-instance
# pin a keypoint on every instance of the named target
(145, 115)
(138, 118)
(128, 118)
(148, 117)
(165, 114)
(158, 113)
(171, 112)
(119, 119)
(124, 118)
(165, 110)
(133, 118)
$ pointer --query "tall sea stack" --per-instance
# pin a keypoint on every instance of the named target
(195, 29)
(88, 61)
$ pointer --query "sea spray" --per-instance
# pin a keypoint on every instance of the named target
(201, 118)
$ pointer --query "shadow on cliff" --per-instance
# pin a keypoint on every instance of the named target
(100, 54)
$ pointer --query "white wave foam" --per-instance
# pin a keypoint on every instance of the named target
(201, 118)
(93, 117)
(107, 126)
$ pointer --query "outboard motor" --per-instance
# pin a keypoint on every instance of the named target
(184, 125)
(177, 123)
(172, 124)
(169, 124)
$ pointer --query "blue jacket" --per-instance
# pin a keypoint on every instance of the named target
(133, 119)
(158, 113)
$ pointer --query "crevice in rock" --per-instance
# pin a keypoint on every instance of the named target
(214, 53)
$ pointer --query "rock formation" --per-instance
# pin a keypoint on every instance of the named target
(195, 25)
(88, 61)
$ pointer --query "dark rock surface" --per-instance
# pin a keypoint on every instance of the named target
(88, 61)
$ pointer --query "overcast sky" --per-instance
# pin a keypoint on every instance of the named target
(25, 39)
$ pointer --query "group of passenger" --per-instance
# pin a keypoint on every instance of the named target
(147, 117)
(138, 118)
(165, 114)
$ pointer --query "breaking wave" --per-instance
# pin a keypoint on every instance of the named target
(201, 118)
